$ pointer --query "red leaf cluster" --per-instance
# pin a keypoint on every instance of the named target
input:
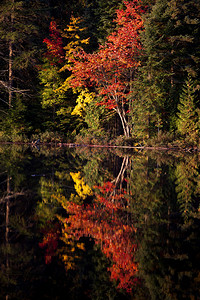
(55, 52)
(105, 221)
(50, 241)
(111, 69)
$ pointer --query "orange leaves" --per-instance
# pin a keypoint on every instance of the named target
(105, 221)
(126, 40)
(109, 69)
(106, 187)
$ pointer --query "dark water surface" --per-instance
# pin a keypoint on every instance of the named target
(80, 223)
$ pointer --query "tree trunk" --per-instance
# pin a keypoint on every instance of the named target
(7, 229)
(10, 61)
(10, 74)
(124, 123)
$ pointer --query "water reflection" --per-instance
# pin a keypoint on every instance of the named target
(99, 225)
(107, 222)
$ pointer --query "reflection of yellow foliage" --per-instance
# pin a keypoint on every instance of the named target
(75, 198)
(68, 264)
(70, 253)
(83, 190)
(48, 188)
(62, 175)
(72, 249)
(62, 200)
(82, 100)
(81, 246)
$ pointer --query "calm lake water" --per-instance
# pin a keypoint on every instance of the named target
(89, 223)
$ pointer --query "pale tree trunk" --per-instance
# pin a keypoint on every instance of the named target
(7, 229)
(10, 74)
(118, 181)
(124, 123)
(10, 61)
(120, 176)
(7, 214)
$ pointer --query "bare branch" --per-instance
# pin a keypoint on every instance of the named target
(4, 112)
(14, 90)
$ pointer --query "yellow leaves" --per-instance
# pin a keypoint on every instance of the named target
(69, 264)
(74, 24)
(62, 200)
(71, 251)
(82, 100)
(82, 189)
(66, 85)
(81, 246)
(62, 175)
(73, 34)
(85, 41)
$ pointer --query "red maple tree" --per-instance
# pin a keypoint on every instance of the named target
(55, 52)
(112, 68)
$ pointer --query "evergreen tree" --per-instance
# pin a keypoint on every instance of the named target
(171, 52)
(187, 179)
(157, 68)
(23, 26)
(188, 122)
(56, 94)
(185, 18)
(147, 101)
(105, 13)
(19, 42)
(18, 33)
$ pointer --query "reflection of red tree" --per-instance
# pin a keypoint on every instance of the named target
(50, 241)
(105, 221)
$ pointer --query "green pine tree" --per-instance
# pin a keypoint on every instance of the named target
(188, 122)
(171, 51)
(20, 44)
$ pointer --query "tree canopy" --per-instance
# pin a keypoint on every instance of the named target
(131, 58)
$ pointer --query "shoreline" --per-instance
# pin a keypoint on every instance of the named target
(73, 145)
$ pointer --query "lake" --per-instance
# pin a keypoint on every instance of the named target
(97, 223)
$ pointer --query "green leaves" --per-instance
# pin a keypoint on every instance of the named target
(188, 122)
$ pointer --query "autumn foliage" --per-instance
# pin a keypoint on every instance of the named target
(55, 52)
(112, 68)
(106, 222)
(50, 241)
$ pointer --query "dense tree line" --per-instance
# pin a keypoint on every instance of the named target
(100, 69)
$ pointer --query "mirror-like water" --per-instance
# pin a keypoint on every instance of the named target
(97, 224)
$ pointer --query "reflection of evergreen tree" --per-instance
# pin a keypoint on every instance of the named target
(168, 259)
(146, 188)
(187, 185)
(168, 251)
(17, 257)
(95, 167)
(23, 273)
